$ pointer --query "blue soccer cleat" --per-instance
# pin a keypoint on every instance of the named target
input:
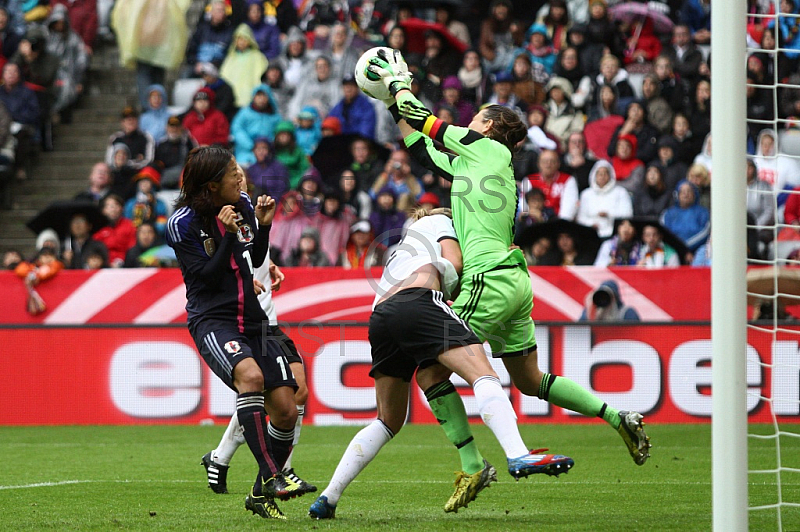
(321, 509)
(535, 462)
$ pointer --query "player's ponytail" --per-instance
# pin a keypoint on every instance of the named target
(507, 128)
(422, 212)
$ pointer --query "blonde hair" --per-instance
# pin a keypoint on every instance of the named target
(422, 212)
(700, 171)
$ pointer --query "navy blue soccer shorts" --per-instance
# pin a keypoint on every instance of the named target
(222, 349)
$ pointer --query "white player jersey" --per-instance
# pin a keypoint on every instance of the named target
(420, 246)
(265, 299)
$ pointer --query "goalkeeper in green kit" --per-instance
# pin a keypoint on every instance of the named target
(495, 296)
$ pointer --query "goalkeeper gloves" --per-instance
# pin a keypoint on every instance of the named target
(391, 69)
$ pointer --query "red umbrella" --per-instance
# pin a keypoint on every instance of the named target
(632, 12)
(415, 29)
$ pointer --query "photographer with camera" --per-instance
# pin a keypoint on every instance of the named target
(397, 176)
(605, 304)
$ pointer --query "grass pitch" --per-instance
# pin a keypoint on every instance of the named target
(150, 478)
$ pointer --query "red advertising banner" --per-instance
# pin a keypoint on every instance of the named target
(145, 375)
(151, 296)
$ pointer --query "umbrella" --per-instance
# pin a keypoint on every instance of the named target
(586, 239)
(763, 282)
(667, 236)
(632, 12)
(416, 28)
(58, 216)
(333, 154)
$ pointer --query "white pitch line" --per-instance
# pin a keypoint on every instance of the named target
(448, 482)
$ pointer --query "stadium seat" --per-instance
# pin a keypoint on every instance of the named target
(789, 142)
(182, 94)
(636, 79)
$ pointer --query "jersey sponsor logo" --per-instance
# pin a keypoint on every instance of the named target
(233, 347)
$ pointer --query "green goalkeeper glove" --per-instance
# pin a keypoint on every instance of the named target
(392, 70)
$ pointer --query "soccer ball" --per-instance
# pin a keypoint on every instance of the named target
(373, 89)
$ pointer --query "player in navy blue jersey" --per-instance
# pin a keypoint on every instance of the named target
(219, 238)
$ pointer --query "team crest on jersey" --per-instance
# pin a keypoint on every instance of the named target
(245, 234)
(210, 246)
(233, 347)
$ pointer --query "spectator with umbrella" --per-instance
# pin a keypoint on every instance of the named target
(623, 249)
(656, 253)
(79, 245)
(574, 244)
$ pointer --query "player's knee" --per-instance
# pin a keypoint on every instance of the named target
(394, 423)
(248, 378)
(283, 415)
(527, 384)
(427, 377)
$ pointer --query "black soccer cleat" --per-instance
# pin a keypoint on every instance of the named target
(281, 487)
(305, 487)
(217, 474)
(264, 506)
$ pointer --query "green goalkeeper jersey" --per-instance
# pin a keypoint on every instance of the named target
(484, 194)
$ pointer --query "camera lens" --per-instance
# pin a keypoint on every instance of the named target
(601, 298)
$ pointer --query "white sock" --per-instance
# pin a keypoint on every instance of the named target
(498, 414)
(231, 440)
(360, 452)
(301, 409)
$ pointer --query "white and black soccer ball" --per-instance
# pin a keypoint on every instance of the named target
(374, 89)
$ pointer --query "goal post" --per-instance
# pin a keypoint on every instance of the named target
(728, 270)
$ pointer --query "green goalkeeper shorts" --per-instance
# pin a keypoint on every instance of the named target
(497, 305)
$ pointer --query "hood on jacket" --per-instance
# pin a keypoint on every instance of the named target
(245, 31)
(312, 233)
(612, 289)
(159, 89)
(259, 3)
(48, 235)
(284, 125)
(561, 83)
(295, 34)
(634, 142)
(205, 93)
(602, 163)
(309, 112)
(266, 90)
(537, 28)
(678, 189)
(59, 13)
(759, 153)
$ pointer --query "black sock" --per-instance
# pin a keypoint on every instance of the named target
(279, 443)
(253, 419)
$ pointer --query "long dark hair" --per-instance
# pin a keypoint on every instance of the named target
(204, 165)
(507, 128)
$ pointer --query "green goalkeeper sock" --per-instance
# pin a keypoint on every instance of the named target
(449, 410)
(568, 394)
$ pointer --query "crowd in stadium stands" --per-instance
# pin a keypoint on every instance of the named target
(617, 105)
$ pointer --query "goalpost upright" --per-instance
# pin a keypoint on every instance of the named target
(728, 291)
